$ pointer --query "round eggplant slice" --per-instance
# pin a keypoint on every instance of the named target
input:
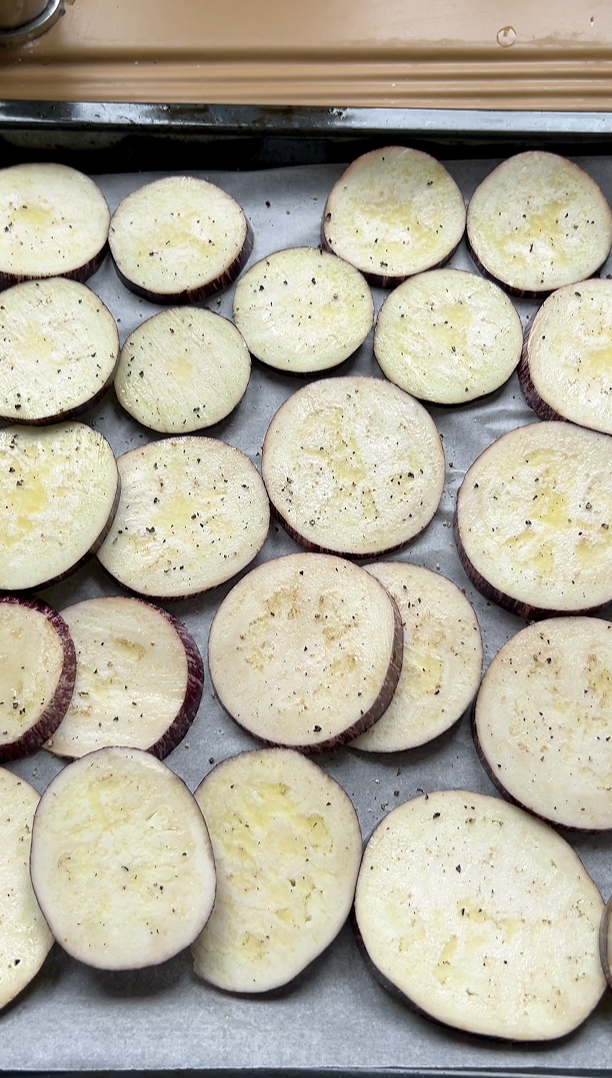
(53, 221)
(25, 940)
(182, 370)
(353, 466)
(121, 862)
(59, 346)
(178, 240)
(448, 336)
(564, 371)
(37, 674)
(533, 522)
(394, 212)
(303, 310)
(305, 651)
(59, 489)
(442, 661)
(481, 916)
(538, 222)
(543, 721)
(139, 679)
(287, 847)
(193, 512)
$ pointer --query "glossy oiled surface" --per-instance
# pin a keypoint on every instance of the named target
(328, 52)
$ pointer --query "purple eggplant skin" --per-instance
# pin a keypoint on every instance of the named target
(79, 273)
(193, 692)
(529, 391)
(604, 950)
(401, 997)
(33, 738)
(201, 292)
(188, 710)
(308, 544)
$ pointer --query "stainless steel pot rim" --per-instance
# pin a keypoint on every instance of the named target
(19, 35)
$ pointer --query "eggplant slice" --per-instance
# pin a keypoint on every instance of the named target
(302, 310)
(538, 222)
(121, 863)
(543, 721)
(564, 371)
(37, 674)
(59, 489)
(533, 522)
(178, 240)
(305, 651)
(26, 939)
(394, 212)
(59, 347)
(139, 678)
(481, 916)
(54, 223)
(287, 847)
(353, 466)
(448, 336)
(193, 512)
(182, 370)
(442, 661)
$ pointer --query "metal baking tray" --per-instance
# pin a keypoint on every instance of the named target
(335, 1018)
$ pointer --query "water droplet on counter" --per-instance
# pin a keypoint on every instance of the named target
(506, 36)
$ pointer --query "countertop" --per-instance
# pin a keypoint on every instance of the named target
(392, 53)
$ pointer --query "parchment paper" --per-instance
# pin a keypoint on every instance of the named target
(335, 1015)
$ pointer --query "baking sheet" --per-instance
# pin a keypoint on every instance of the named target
(336, 1016)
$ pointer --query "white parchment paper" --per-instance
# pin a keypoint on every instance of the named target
(336, 1015)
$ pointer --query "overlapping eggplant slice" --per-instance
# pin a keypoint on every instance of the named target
(287, 847)
(305, 651)
(193, 512)
(442, 661)
(59, 490)
(37, 674)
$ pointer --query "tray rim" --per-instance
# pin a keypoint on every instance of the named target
(252, 120)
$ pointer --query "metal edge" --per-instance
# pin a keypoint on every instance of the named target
(302, 121)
